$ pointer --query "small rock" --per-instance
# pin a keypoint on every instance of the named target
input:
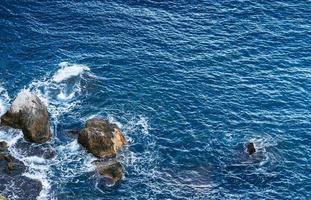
(250, 148)
(49, 153)
(3, 146)
(101, 138)
(10, 164)
(112, 170)
(72, 133)
(29, 114)
(2, 197)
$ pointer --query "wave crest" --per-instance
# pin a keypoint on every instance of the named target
(68, 70)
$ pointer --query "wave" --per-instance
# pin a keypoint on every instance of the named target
(68, 70)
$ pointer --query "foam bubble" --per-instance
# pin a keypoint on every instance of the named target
(64, 97)
(143, 122)
(68, 70)
(111, 119)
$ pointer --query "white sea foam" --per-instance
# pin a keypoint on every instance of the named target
(261, 144)
(68, 70)
(4, 100)
(143, 122)
(59, 95)
(63, 96)
(111, 119)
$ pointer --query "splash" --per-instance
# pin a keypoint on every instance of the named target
(68, 70)
(58, 94)
(4, 100)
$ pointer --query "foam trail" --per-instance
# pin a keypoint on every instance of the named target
(68, 70)
(4, 100)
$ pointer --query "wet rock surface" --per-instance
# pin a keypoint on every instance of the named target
(72, 133)
(111, 170)
(11, 176)
(29, 114)
(3, 146)
(250, 147)
(101, 138)
(32, 149)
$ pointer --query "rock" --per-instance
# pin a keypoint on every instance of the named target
(101, 138)
(2, 197)
(29, 114)
(250, 148)
(112, 170)
(49, 154)
(12, 176)
(3, 146)
(10, 164)
(73, 133)
(19, 187)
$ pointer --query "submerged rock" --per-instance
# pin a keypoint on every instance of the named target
(73, 133)
(101, 138)
(250, 148)
(3, 146)
(2, 197)
(11, 176)
(29, 114)
(32, 149)
(112, 170)
(9, 164)
(20, 187)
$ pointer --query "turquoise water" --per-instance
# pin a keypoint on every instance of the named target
(189, 83)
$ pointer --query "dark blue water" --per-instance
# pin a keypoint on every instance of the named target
(189, 82)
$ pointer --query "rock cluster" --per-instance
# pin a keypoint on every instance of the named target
(28, 113)
(103, 139)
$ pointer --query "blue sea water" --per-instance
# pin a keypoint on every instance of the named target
(189, 83)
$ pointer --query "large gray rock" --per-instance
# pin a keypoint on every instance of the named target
(101, 138)
(29, 114)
